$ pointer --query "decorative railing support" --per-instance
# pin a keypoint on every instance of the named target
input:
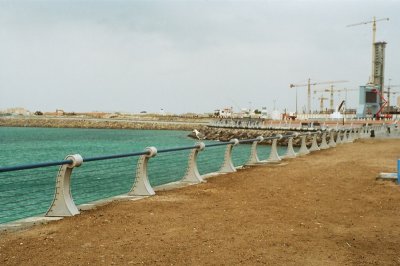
(366, 132)
(141, 186)
(351, 135)
(253, 155)
(290, 153)
(314, 144)
(324, 145)
(358, 133)
(338, 137)
(227, 166)
(192, 174)
(63, 204)
(382, 129)
(303, 148)
(332, 139)
(274, 156)
(345, 138)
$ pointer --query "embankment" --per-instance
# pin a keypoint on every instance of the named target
(52, 122)
(209, 133)
(226, 134)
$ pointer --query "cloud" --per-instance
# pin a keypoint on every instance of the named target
(191, 56)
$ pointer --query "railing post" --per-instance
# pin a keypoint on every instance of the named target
(192, 174)
(357, 133)
(324, 145)
(332, 139)
(227, 166)
(274, 156)
(63, 203)
(365, 133)
(141, 186)
(389, 130)
(351, 135)
(303, 149)
(314, 145)
(382, 129)
(338, 138)
(345, 138)
(290, 153)
(253, 155)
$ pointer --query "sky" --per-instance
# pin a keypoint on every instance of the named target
(188, 56)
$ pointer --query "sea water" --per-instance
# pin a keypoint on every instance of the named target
(27, 193)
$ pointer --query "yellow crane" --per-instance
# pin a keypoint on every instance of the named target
(321, 103)
(388, 92)
(331, 90)
(309, 84)
(373, 21)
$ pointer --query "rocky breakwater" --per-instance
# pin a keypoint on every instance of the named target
(92, 123)
(224, 134)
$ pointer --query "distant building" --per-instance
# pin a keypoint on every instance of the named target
(17, 111)
(60, 112)
(264, 112)
(370, 101)
(224, 113)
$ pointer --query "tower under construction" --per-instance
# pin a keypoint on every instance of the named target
(371, 95)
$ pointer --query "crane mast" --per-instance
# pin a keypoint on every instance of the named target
(309, 84)
(321, 103)
(388, 92)
(373, 21)
(331, 90)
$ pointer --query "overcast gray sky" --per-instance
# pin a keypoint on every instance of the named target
(186, 56)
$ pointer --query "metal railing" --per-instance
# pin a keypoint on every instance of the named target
(28, 190)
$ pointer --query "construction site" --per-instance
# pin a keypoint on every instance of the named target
(374, 97)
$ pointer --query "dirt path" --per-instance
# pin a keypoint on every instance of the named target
(322, 209)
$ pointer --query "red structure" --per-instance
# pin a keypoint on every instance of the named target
(378, 114)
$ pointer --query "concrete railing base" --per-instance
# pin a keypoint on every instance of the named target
(141, 186)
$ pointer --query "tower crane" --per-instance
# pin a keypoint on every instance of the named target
(373, 21)
(309, 84)
(331, 90)
(388, 92)
(321, 103)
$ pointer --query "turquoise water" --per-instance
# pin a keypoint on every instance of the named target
(30, 192)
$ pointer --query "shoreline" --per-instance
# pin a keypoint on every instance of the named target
(56, 122)
(153, 123)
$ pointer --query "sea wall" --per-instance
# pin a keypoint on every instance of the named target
(93, 123)
(209, 133)
(226, 134)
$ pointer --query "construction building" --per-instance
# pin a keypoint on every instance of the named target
(371, 99)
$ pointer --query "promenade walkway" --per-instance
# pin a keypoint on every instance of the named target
(325, 208)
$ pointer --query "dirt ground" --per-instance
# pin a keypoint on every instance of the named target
(322, 209)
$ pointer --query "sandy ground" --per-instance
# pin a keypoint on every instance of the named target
(322, 209)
